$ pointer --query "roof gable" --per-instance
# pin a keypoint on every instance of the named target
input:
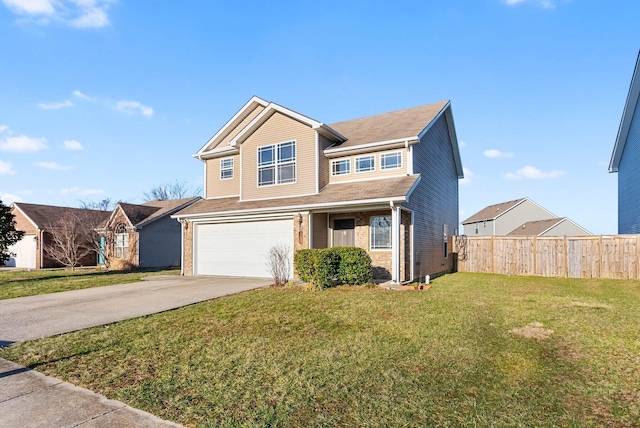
(627, 117)
(493, 211)
(140, 215)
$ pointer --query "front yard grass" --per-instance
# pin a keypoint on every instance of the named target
(21, 283)
(474, 350)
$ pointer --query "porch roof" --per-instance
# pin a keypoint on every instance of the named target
(396, 189)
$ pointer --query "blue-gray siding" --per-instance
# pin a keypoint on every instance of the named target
(160, 243)
(434, 201)
(629, 181)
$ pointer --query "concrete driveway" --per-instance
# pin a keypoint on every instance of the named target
(26, 318)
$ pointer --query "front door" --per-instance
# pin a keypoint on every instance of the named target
(344, 232)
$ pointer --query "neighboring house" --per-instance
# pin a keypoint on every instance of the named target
(144, 235)
(386, 183)
(550, 227)
(500, 219)
(38, 222)
(625, 160)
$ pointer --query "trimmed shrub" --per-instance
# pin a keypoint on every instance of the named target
(328, 267)
(355, 266)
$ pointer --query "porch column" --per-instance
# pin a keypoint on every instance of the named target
(395, 244)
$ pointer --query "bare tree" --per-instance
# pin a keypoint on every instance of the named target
(105, 204)
(279, 264)
(172, 190)
(74, 236)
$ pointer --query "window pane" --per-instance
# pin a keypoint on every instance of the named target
(226, 173)
(380, 232)
(341, 167)
(266, 176)
(391, 160)
(266, 155)
(366, 163)
(286, 173)
(287, 152)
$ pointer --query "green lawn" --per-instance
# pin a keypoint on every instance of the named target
(474, 350)
(20, 283)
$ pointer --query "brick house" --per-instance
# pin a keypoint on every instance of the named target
(386, 183)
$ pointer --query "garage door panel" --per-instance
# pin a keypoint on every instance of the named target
(25, 253)
(239, 249)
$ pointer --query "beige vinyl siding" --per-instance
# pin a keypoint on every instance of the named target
(280, 129)
(324, 162)
(216, 187)
(565, 228)
(516, 216)
(378, 173)
(320, 231)
(236, 129)
(434, 201)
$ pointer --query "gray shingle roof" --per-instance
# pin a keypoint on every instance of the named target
(492, 211)
(141, 214)
(46, 215)
(362, 191)
(535, 228)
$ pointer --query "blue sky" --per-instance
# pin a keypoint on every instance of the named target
(110, 98)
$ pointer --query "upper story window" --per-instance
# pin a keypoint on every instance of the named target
(365, 163)
(226, 168)
(391, 160)
(277, 164)
(380, 229)
(341, 167)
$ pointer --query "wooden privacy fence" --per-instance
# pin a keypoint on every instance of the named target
(616, 257)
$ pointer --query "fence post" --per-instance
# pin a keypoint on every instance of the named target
(535, 257)
(492, 255)
(566, 257)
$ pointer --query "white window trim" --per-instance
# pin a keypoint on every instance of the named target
(390, 248)
(232, 168)
(363, 157)
(335, 161)
(277, 163)
(383, 155)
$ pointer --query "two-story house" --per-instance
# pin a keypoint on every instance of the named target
(625, 159)
(386, 183)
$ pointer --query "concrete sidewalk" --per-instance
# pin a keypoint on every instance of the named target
(31, 399)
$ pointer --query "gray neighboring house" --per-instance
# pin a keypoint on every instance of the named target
(144, 235)
(500, 219)
(625, 160)
(562, 226)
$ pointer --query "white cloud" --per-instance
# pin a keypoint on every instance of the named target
(52, 165)
(55, 105)
(547, 4)
(130, 107)
(76, 13)
(72, 145)
(534, 173)
(22, 143)
(8, 198)
(91, 192)
(6, 167)
(493, 153)
(462, 144)
(80, 95)
(467, 176)
(4, 128)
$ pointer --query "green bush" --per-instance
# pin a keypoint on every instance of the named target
(355, 266)
(328, 267)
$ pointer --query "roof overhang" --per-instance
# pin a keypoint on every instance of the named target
(627, 117)
(335, 151)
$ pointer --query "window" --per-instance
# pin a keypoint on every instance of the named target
(226, 168)
(341, 167)
(380, 233)
(445, 241)
(391, 160)
(277, 164)
(121, 244)
(365, 163)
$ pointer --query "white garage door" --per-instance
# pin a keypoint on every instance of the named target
(239, 249)
(25, 253)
